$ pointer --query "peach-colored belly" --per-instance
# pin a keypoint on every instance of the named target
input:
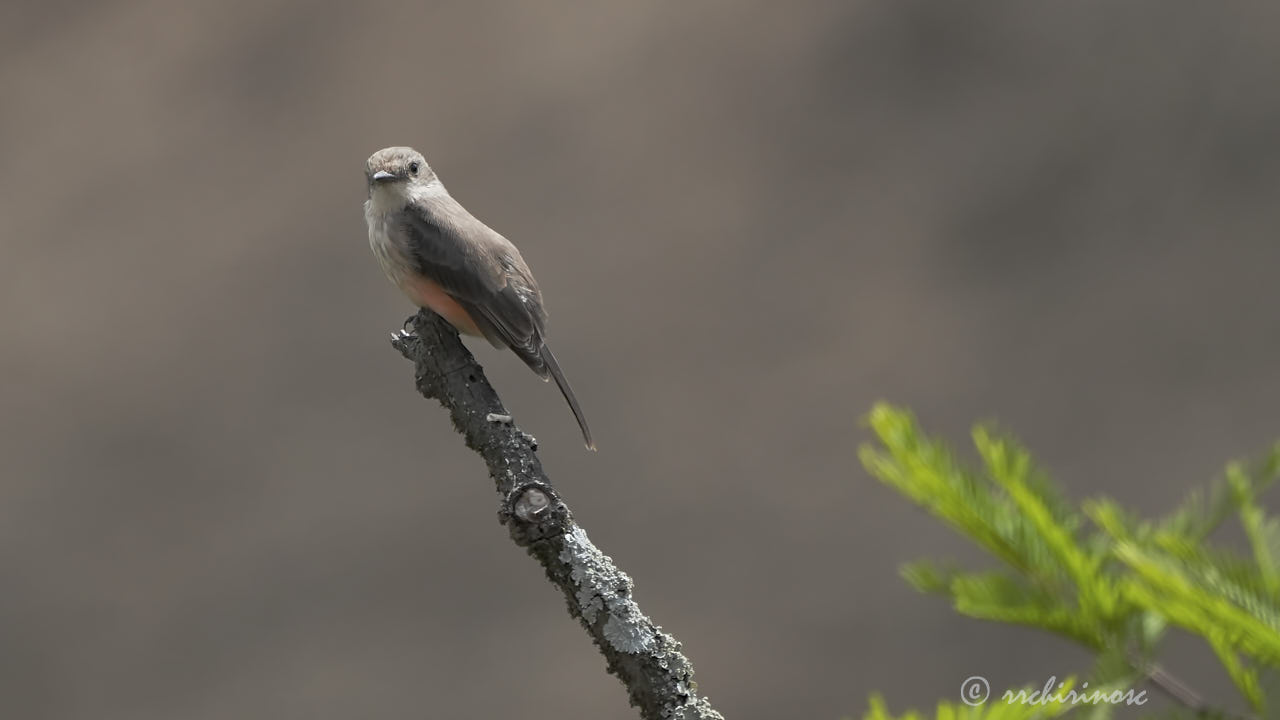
(428, 294)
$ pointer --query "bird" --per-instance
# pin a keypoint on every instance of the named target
(446, 260)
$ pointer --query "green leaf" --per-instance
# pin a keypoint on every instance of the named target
(1263, 534)
(1245, 678)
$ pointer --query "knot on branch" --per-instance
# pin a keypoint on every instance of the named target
(534, 512)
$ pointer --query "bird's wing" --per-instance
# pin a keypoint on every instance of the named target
(486, 275)
(479, 268)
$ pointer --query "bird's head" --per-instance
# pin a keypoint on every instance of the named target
(397, 167)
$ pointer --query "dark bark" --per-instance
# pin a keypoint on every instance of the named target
(658, 678)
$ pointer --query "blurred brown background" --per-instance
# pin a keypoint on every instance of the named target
(220, 496)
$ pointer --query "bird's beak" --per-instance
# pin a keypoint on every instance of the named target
(383, 175)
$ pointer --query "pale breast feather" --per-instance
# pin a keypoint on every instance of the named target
(393, 263)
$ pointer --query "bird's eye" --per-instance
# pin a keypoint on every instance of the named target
(413, 168)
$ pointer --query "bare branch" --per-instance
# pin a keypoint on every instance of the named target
(658, 678)
(1181, 693)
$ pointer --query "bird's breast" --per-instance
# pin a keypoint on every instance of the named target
(392, 260)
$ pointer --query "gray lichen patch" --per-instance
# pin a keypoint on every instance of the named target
(602, 587)
(628, 635)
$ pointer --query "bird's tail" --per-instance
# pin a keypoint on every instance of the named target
(549, 361)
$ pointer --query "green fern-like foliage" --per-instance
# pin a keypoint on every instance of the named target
(1094, 573)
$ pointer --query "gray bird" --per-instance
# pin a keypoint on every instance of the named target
(446, 260)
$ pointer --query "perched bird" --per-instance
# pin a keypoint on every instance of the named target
(446, 260)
